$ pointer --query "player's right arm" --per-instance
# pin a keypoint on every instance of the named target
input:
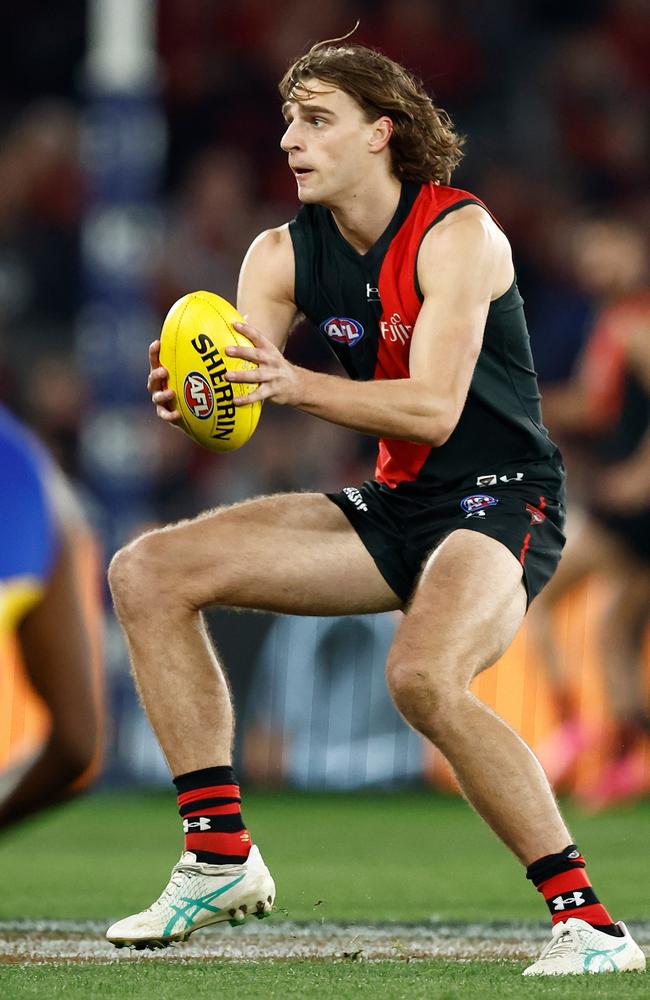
(265, 296)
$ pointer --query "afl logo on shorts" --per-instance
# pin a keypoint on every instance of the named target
(476, 502)
(198, 395)
(342, 330)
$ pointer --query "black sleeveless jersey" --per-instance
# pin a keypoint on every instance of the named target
(366, 307)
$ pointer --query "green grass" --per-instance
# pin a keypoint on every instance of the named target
(366, 858)
(439, 980)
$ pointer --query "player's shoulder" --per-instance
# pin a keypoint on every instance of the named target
(271, 251)
(269, 264)
(272, 241)
(470, 221)
(466, 230)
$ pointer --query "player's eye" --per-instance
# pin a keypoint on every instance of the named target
(317, 121)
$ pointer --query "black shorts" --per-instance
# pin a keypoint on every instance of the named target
(400, 526)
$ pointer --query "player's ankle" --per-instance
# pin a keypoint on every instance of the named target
(210, 805)
(563, 881)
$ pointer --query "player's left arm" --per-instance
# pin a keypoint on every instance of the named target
(464, 262)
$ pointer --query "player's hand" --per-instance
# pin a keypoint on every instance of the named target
(278, 380)
(162, 397)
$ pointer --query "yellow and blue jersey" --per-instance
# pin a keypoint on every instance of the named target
(28, 530)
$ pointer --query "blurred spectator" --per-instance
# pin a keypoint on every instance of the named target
(607, 407)
(210, 227)
(40, 209)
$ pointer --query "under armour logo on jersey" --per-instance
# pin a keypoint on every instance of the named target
(201, 823)
(372, 294)
(492, 478)
(574, 900)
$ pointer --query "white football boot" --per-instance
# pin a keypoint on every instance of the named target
(199, 894)
(577, 948)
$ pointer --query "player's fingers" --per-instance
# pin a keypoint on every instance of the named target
(154, 354)
(164, 397)
(157, 379)
(250, 375)
(258, 396)
(254, 335)
(169, 416)
(246, 353)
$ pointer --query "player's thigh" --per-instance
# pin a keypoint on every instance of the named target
(294, 553)
(466, 609)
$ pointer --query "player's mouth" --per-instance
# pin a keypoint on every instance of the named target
(301, 172)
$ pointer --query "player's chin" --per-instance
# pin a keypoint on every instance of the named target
(307, 197)
(308, 194)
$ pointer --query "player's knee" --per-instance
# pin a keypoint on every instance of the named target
(424, 697)
(137, 577)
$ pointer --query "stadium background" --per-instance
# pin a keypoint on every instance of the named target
(113, 203)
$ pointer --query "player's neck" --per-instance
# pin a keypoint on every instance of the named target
(363, 215)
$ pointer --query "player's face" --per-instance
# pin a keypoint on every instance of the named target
(328, 142)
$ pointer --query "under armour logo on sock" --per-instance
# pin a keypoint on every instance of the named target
(562, 902)
(202, 823)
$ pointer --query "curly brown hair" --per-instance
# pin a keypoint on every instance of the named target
(424, 145)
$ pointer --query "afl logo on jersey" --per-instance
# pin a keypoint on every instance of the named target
(342, 330)
(198, 395)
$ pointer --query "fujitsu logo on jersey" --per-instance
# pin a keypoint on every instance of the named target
(342, 330)
(395, 329)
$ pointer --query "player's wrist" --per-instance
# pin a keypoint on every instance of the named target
(305, 388)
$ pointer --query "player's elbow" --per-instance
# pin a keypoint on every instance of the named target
(439, 429)
(436, 417)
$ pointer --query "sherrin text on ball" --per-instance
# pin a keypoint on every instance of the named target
(196, 332)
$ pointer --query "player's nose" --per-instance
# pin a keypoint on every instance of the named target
(291, 139)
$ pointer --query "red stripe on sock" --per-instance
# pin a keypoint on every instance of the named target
(209, 792)
(229, 808)
(564, 884)
(234, 844)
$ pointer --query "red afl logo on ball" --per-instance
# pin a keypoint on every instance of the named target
(198, 395)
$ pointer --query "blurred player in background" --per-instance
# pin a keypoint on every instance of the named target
(606, 410)
(44, 618)
(412, 284)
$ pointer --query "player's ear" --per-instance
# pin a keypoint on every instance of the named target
(382, 130)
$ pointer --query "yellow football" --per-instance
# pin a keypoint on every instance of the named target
(195, 334)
